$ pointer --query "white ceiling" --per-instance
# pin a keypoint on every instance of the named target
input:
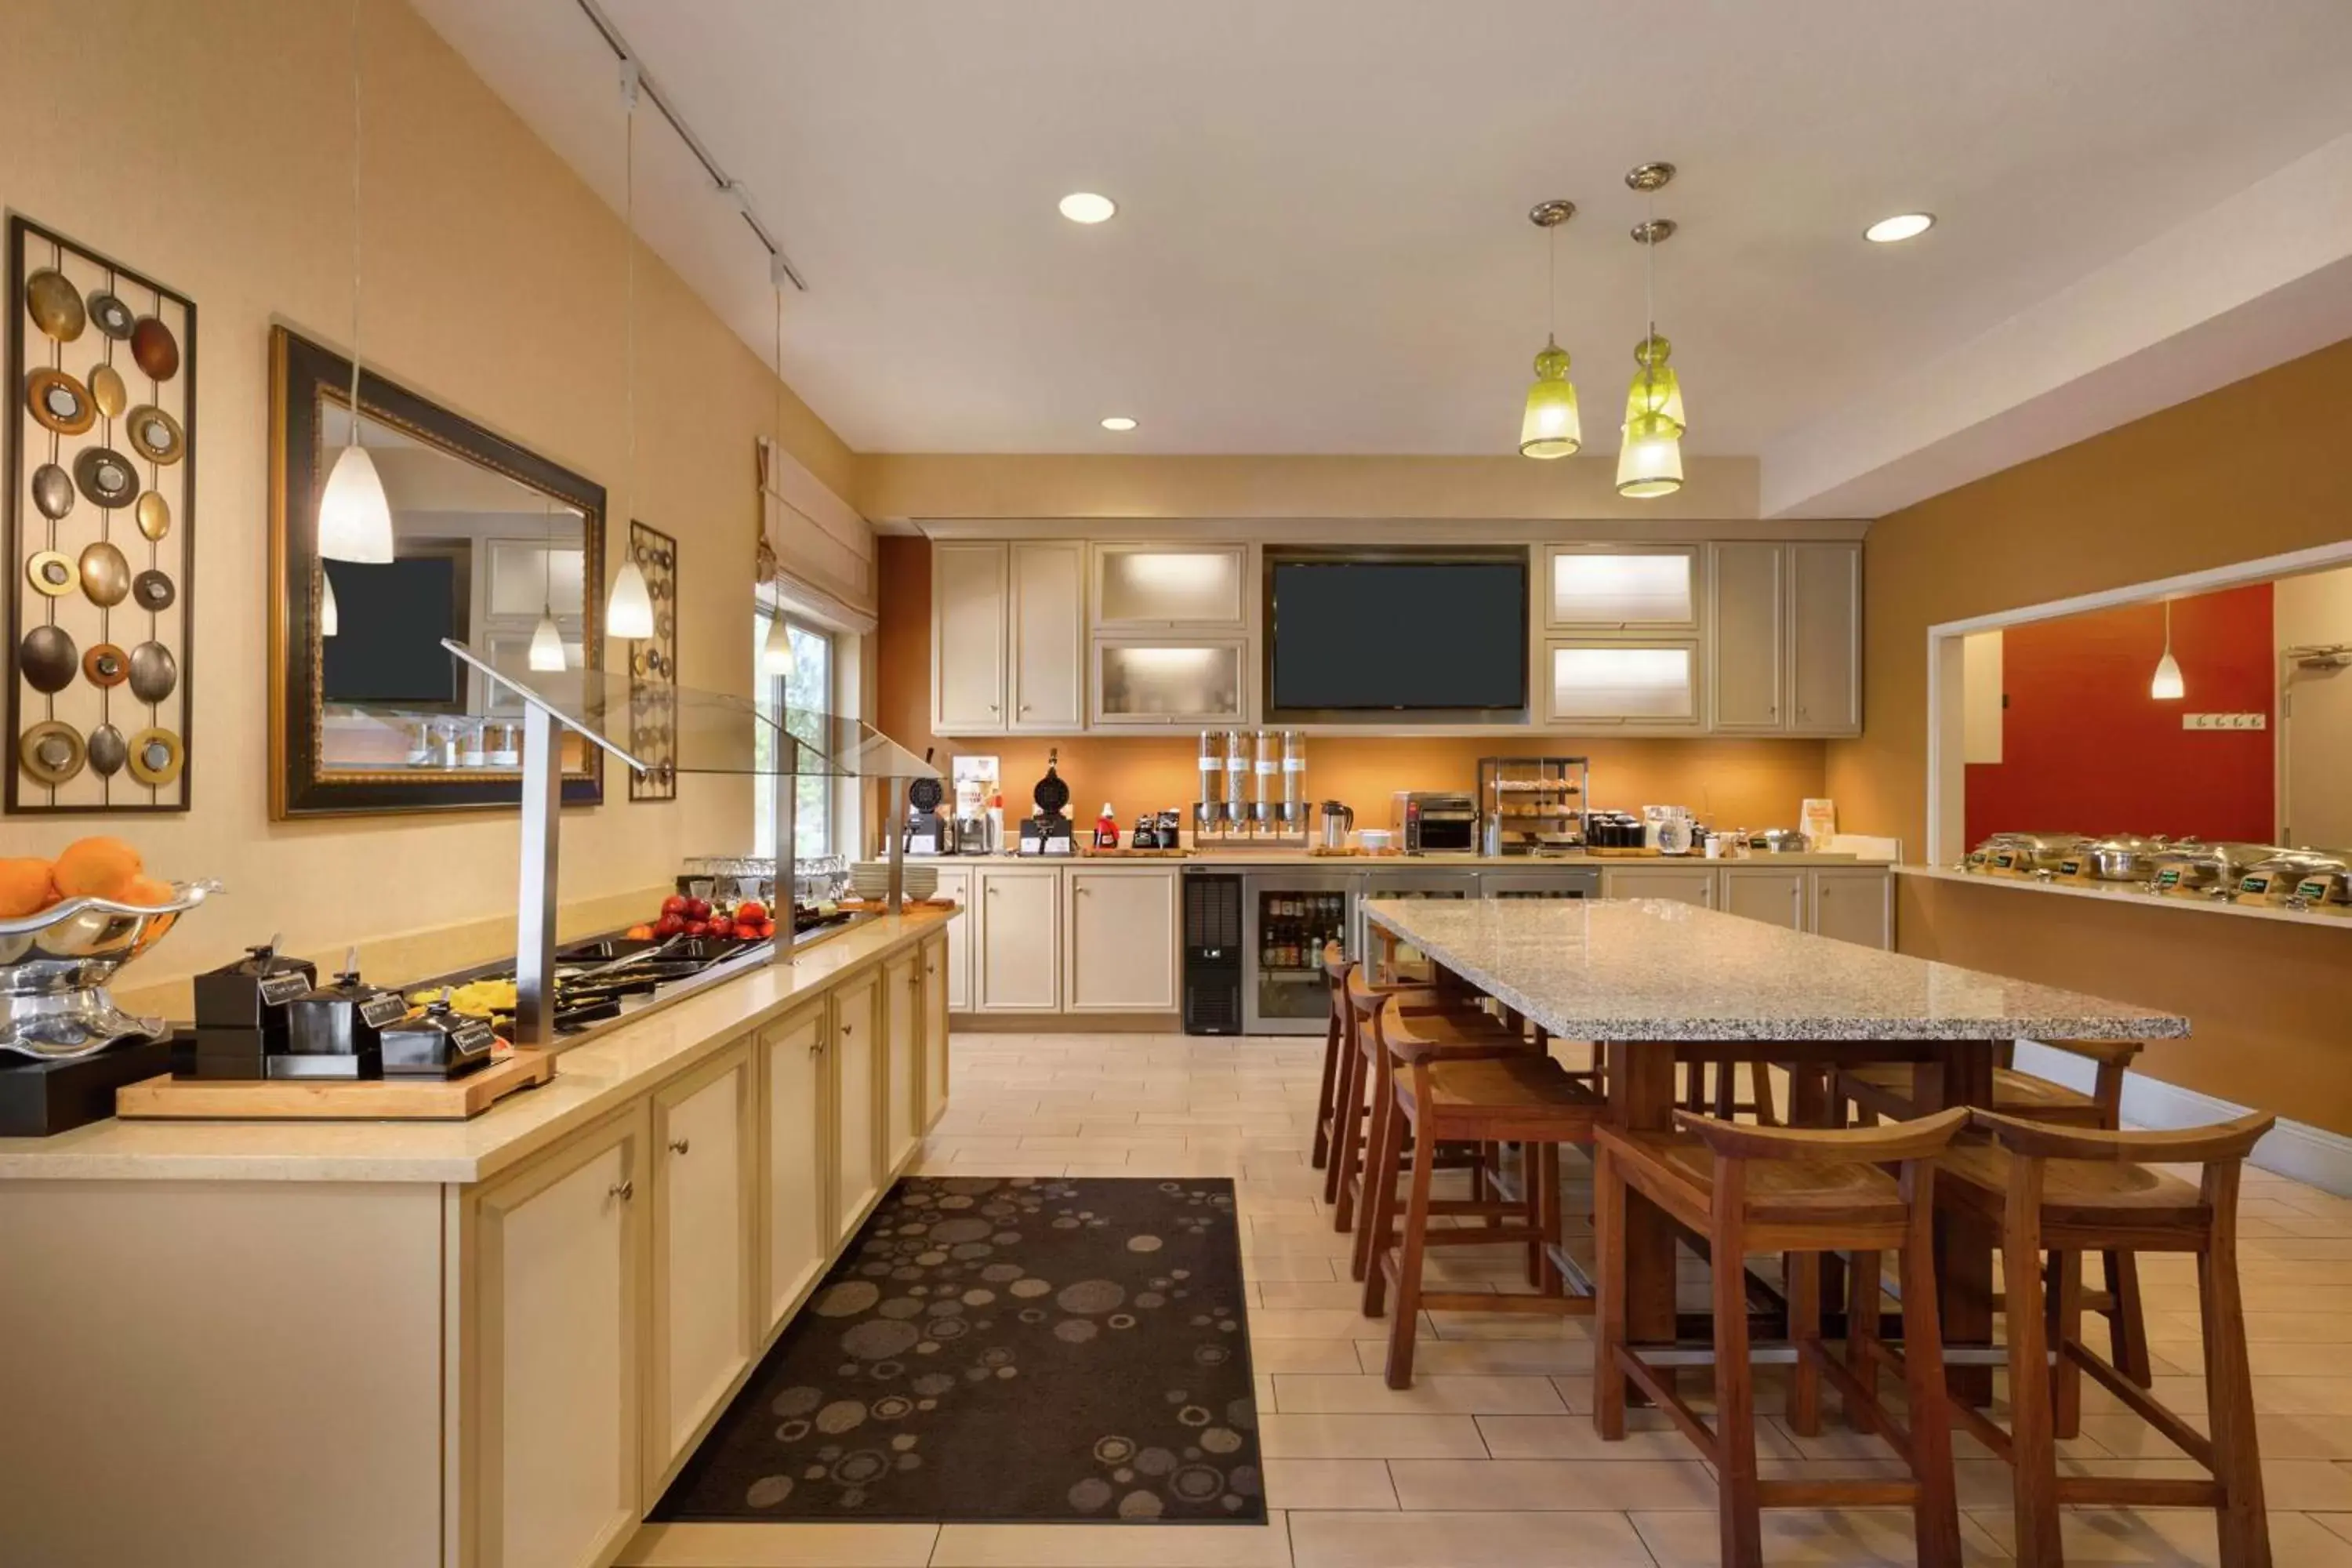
(1322, 245)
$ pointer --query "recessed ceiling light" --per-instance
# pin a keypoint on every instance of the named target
(1085, 207)
(1903, 225)
(1118, 422)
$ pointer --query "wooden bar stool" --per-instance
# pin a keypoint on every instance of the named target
(2078, 1190)
(1786, 1190)
(1439, 1094)
(1449, 1033)
(1340, 1132)
(1886, 1090)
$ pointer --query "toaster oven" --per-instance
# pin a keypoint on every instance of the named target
(1434, 822)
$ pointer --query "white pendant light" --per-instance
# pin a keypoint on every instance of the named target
(776, 652)
(330, 618)
(354, 518)
(547, 638)
(1549, 425)
(629, 608)
(2167, 686)
(1650, 460)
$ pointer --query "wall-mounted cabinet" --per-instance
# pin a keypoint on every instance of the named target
(1139, 683)
(1784, 639)
(1645, 684)
(1640, 589)
(1171, 588)
(1047, 638)
(1008, 637)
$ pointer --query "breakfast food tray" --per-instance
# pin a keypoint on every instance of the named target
(370, 1100)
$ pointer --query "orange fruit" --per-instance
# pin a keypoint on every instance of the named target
(98, 867)
(24, 888)
(147, 893)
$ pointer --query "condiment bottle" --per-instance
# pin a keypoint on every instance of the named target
(1106, 829)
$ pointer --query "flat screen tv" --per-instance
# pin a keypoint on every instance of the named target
(389, 622)
(1398, 635)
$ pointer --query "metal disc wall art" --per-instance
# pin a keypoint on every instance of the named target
(97, 516)
(652, 668)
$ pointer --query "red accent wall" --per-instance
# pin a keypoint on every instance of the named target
(2085, 749)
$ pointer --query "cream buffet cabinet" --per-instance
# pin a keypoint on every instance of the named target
(1054, 937)
(479, 1344)
(1852, 903)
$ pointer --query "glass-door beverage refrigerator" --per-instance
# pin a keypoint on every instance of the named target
(1287, 916)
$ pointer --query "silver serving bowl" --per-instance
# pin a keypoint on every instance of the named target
(55, 966)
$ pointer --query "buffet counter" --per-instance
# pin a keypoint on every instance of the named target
(2336, 917)
(452, 1343)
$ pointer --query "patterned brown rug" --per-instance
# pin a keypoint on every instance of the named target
(1005, 1349)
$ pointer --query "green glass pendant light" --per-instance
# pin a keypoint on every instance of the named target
(1549, 428)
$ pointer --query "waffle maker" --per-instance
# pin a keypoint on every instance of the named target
(927, 829)
(1048, 832)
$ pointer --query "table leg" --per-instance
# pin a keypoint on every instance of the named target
(1964, 1246)
(1642, 1099)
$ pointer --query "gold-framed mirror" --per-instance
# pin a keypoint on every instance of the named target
(367, 714)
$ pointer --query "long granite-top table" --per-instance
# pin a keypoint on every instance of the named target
(1651, 979)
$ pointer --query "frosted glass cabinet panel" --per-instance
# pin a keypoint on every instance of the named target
(1138, 585)
(1640, 588)
(1653, 684)
(1167, 683)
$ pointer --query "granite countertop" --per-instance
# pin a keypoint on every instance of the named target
(1647, 969)
(2325, 916)
(590, 1080)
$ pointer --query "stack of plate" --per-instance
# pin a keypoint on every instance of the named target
(870, 880)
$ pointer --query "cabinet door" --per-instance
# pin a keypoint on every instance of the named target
(1682, 884)
(1169, 683)
(1048, 637)
(1762, 893)
(1119, 951)
(1855, 905)
(967, 620)
(855, 1092)
(935, 1028)
(704, 1135)
(797, 1209)
(1142, 586)
(1018, 944)
(956, 882)
(1652, 685)
(902, 1078)
(559, 1263)
(1635, 588)
(1744, 660)
(1825, 621)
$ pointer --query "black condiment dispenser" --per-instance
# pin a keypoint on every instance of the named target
(254, 993)
(337, 1030)
(436, 1043)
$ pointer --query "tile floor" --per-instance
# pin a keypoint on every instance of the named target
(1491, 1458)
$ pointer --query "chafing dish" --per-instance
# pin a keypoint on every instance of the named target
(54, 965)
(2118, 858)
(1778, 841)
(2213, 869)
(2281, 879)
(2021, 854)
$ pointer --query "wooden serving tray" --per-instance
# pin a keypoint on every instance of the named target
(315, 1100)
(1124, 853)
(1612, 852)
(1320, 853)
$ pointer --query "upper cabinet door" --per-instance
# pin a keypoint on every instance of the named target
(1825, 620)
(1744, 653)
(1635, 588)
(1194, 683)
(969, 612)
(1140, 587)
(1651, 684)
(1048, 637)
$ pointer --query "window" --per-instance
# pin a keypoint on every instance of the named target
(805, 696)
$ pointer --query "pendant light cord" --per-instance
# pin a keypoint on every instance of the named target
(355, 222)
(1650, 298)
(629, 327)
(1551, 284)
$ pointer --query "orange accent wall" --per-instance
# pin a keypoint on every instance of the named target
(1743, 782)
(2244, 472)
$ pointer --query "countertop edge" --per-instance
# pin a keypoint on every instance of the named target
(1343, 864)
(2126, 895)
(82, 1155)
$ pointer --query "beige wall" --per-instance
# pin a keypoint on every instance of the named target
(209, 147)
(2244, 472)
(1753, 783)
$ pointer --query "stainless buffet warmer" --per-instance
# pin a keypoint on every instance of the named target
(715, 732)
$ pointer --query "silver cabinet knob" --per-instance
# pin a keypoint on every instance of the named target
(623, 1190)
(678, 1145)
(816, 1050)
